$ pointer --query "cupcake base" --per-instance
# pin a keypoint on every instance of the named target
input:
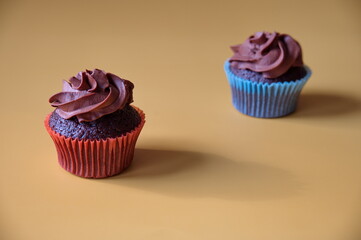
(96, 158)
(265, 100)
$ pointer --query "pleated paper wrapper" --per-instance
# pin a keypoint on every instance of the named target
(96, 158)
(265, 100)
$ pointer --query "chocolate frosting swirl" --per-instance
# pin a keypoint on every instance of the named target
(92, 94)
(271, 54)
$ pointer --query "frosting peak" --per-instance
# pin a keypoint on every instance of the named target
(92, 94)
(271, 54)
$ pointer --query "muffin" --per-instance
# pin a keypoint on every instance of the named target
(266, 74)
(94, 127)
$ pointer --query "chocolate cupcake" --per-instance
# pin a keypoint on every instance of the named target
(94, 127)
(266, 75)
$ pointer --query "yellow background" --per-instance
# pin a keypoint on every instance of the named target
(201, 169)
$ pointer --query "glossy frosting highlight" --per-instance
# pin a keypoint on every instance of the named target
(271, 54)
(92, 94)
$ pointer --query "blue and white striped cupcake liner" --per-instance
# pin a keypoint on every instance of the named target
(264, 100)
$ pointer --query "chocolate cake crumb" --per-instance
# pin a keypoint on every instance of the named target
(292, 74)
(109, 126)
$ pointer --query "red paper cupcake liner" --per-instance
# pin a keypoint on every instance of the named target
(96, 158)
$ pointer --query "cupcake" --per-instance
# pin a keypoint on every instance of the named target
(266, 74)
(94, 127)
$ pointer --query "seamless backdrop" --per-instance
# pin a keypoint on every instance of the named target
(201, 169)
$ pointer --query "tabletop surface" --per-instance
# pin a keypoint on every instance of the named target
(201, 169)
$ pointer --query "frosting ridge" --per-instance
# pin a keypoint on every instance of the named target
(271, 54)
(92, 94)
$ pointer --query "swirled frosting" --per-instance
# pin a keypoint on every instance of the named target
(92, 94)
(271, 54)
